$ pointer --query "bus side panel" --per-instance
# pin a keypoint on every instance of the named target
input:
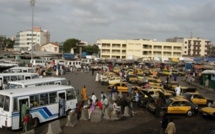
(15, 121)
(45, 113)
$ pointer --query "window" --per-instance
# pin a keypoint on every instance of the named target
(13, 78)
(44, 99)
(15, 107)
(1, 101)
(52, 97)
(34, 100)
(7, 104)
(70, 94)
(175, 104)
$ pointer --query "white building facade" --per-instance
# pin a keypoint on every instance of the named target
(140, 48)
(24, 39)
(50, 47)
(193, 46)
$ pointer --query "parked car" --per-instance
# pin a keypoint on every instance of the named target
(198, 99)
(132, 78)
(208, 111)
(122, 86)
(175, 106)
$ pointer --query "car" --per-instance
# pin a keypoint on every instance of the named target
(208, 111)
(198, 99)
(179, 73)
(171, 85)
(132, 78)
(144, 97)
(114, 80)
(122, 86)
(164, 73)
(175, 105)
(188, 89)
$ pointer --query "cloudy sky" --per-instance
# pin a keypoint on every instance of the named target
(90, 20)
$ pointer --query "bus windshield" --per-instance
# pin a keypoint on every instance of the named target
(4, 102)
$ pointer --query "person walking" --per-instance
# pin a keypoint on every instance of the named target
(84, 93)
(171, 129)
(93, 97)
(178, 90)
(164, 123)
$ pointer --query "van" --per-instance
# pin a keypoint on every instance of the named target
(37, 62)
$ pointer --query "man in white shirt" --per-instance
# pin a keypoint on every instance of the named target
(178, 90)
(94, 98)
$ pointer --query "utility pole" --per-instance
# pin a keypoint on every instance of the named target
(32, 24)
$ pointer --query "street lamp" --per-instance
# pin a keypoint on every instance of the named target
(32, 4)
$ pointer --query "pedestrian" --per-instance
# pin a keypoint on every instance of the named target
(171, 129)
(84, 93)
(164, 123)
(97, 77)
(93, 97)
(159, 104)
(79, 107)
(116, 107)
(91, 108)
(167, 79)
(102, 96)
(62, 105)
(175, 77)
(178, 90)
(137, 96)
(98, 103)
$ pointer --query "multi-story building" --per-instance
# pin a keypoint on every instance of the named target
(140, 48)
(193, 46)
(24, 39)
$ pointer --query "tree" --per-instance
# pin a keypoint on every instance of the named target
(70, 43)
(91, 49)
(9, 43)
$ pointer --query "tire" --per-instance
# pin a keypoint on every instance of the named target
(35, 122)
(209, 104)
(189, 113)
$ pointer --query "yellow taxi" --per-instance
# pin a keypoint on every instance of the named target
(116, 69)
(122, 86)
(208, 111)
(164, 73)
(175, 106)
(198, 99)
(132, 78)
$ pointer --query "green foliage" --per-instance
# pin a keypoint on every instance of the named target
(9, 43)
(70, 43)
(91, 49)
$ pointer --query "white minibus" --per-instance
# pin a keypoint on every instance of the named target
(43, 103)
(38, 82)
(38, 62)
(74, 63)
(20, 70)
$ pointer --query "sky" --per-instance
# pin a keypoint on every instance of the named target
(91, 20)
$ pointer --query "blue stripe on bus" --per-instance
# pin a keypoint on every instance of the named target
(43, 111)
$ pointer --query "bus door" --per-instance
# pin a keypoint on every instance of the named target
(24, 105)
(61, 95)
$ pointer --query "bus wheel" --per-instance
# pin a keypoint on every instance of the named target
(35, 122)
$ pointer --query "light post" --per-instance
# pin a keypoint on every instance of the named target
(32, 24)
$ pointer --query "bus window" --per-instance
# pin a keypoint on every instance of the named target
(13, 78)
(70, 94)
(25, 71)
(64, 82)
(35, 76)
(52, 97)
(6, 78)
(34, 100)
(57, 83)
(43, 99)
(1, 101)
(20, 77)
(14, 86)
(27, 77)
(15, 107)
(6, 103)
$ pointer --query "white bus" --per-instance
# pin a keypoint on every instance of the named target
(44, 104)
(74, 63)
(20, 70)
(38, 62)
(6, 77)
(38, 82)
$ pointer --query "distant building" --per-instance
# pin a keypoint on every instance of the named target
(193, 46)
(50, 47)
(139, 48)
(24, 39)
